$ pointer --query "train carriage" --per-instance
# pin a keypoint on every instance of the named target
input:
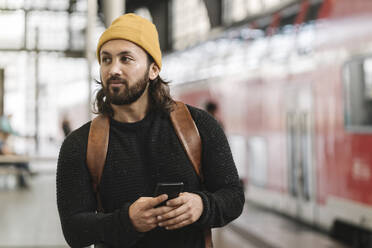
(297, 109)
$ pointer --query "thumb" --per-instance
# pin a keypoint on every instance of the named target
(153, 202)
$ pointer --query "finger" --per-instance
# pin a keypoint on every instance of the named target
(180, 200)
(174, 213)
(179, 225)
(154, 201)
(146, 218)
(176, 220)
(160, 210)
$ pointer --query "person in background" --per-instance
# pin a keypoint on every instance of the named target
(143, 150)
(6, 131)
(66, 127)
(211, 107)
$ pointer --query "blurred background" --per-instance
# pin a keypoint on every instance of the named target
(290, 81)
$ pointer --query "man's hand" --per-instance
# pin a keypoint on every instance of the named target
(187, 208)
(143, 213)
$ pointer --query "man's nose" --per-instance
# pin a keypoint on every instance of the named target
(115, 69)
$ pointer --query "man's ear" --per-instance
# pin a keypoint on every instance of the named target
(154, 71)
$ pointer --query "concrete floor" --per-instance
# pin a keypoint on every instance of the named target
(227, 238)
(29, 217)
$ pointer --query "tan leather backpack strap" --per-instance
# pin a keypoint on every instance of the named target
(208, 238)
(97, 150)
(189, 136)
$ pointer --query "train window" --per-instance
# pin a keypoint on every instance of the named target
(358, 94)
(367, 68)
(238, 145)
(257, 161)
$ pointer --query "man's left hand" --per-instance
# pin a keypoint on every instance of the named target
(188, 209)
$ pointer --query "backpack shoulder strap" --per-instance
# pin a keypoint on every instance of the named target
(97, 148)
(188, 134)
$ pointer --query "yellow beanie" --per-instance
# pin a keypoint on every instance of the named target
(135, 29)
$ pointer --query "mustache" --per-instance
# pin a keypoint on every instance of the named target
(116, 79)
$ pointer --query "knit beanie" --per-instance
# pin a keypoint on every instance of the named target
(136, 29)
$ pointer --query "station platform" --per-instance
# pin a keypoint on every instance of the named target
(261, 228)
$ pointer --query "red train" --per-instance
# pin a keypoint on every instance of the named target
(297, 108)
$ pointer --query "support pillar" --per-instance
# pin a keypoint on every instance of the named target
(214, 9)
(90, 49)
(161, 13)
(112, 9)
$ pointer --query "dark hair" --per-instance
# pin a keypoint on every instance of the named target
(160, 98)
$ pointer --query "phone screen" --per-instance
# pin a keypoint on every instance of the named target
(171, 189)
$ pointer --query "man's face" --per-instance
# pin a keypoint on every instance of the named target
(124, 71)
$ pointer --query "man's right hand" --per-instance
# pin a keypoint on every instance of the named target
(143, 213)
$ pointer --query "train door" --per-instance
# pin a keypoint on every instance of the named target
(301, 169)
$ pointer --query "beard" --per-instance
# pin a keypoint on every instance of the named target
(125, 95)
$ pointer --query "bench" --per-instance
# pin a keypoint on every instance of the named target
(13, 166)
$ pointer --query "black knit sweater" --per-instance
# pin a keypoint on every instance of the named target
(140, 155)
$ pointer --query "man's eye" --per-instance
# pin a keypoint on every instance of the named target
(125, 59)
(106, 60)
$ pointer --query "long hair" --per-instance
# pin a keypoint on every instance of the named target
(159, 93)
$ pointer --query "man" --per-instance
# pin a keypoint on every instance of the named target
(143, 150)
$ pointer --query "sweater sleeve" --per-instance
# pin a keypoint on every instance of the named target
(76, 201)
(223, 195)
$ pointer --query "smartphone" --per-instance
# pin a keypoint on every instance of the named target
(171, 189)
